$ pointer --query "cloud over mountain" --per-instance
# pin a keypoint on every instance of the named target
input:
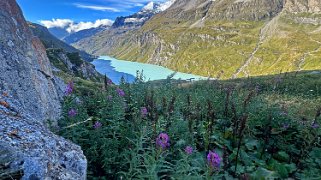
(61, 23)
(72, 26)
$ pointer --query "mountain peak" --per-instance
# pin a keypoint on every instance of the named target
(157, 7)
(151, 6)
(166, 5)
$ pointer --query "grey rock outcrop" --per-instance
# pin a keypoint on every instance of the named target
(307, 6)
(31, 151)
(72, 64)
(25, 69)
(28, 97)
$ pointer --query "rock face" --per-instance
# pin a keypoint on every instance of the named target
(30, 151)
(298, 6)
(29, 95)
(25, 69)
(226, 9)
(72, 64)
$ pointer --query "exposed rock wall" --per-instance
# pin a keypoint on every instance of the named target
(61, 62)
(29, 96)
(308, 6)
(30, 151)
(225, 9)
(25, 69)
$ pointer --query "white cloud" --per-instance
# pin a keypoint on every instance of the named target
(61, 23)
(72, 27)
(98, 8)
(87, 25)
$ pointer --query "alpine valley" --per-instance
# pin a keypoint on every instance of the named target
(237, 94)
(218, 38)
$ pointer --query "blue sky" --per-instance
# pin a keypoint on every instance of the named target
(78, 10)
(75, 15)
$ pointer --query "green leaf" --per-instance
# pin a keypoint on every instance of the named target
(239, 170)
(246, 159)
(282, 156)
(251, 144)
(262, 174)
(315, 153)
(290, 167)
(282, 170)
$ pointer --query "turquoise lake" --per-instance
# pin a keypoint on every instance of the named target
(115, 69)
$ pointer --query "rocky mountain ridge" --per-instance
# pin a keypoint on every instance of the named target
(50, 41)
(138, 19)
(64, 57)
(235, 38)
(58, 32)
(77, 36)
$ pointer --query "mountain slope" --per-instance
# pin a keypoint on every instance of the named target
(122, 28)
(77, 36)
(59, 32)
(50, 41)
(64, 57)
(225, 38)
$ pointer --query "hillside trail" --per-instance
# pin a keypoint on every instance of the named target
(305, 55)
(265, 32)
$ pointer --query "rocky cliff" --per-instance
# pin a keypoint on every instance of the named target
(233, 38)
(64, 57)
(72, 64)
(307, 6)
(28, 97)
(50, 41)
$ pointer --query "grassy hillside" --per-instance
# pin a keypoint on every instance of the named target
(238, 48)
(210, 45)
(257, 128)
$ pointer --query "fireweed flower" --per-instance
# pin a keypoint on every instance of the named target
(189, 150)
(69, 89)
(143, 111)
(72, 113)
(109, 82)
(97, 125)
(315, 125)
(162, 141)
(214, 160)
(120, 92)
(285, 126)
